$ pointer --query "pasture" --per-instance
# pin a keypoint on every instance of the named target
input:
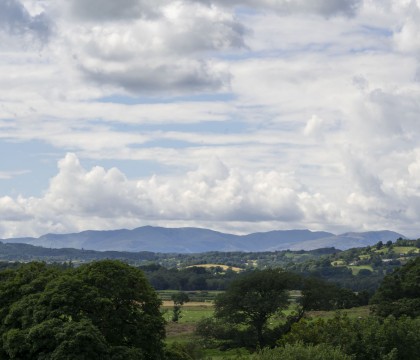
(356, 268)
(404, 250)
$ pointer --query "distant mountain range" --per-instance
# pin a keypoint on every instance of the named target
(196, 240)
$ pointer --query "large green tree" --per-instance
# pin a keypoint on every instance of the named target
(105, 308)
(253, 298)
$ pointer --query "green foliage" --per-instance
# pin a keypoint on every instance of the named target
(253, 298)
(215, 332)
(126, 353)
(369, 338)
(364, 272)
(188, 279)
(399, 293)
(299, 351)
(72, 340)
(103, 310)
(256, 297)
(321, 295)
(179, 299)
(184, 351)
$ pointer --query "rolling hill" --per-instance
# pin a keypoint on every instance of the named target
(196, 240)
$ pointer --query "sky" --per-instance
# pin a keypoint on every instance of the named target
(238, 116)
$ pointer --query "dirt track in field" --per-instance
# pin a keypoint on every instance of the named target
(175, 329)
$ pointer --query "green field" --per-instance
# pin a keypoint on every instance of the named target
(190, 314)
(183, 331)
(356, 268)
(405, 249)
(383, 250)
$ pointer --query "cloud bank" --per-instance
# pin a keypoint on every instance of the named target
(79, 198)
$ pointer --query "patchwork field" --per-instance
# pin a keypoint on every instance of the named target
(193, 312)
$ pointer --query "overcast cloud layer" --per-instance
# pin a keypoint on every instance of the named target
(238, 116)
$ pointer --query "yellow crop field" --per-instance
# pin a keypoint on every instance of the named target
(224, 267)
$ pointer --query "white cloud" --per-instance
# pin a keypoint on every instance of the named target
(212, 192)
(12, 210)
(225, 197)
(167, 52)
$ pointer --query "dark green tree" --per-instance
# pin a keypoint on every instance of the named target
(399, 292)
(106, 307)
(322, 295)
(302, 352)
(253, 298)
(370, 338)
(179, 299)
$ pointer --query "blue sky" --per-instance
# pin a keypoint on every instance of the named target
(239, 116)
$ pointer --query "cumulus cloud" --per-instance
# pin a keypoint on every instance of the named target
(213, 195)
(212, 192)
(167, 52)
(13, 210)
(77, 191)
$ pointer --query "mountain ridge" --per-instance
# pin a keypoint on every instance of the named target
(196, 240)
